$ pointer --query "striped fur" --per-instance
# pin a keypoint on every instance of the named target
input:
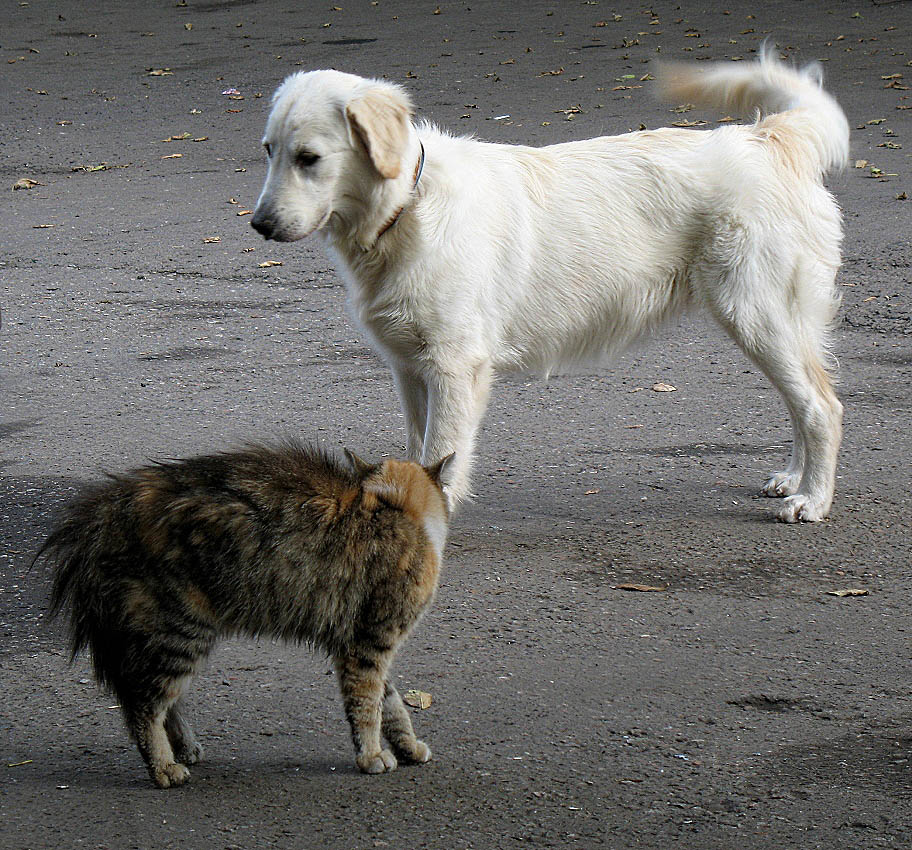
(284, 541)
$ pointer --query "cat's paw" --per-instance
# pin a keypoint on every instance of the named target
(189, 753)
(415, 752)
(382, 762)
(169, 775)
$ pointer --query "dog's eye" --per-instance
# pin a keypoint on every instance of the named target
(306, 159)
(268, 149)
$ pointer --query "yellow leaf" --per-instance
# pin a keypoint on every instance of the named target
(417, 699)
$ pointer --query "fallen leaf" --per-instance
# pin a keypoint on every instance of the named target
(417, 699)
(893, 146)
(876, 121)
(851, 591)
(642, 588)
(592, 492)
(159, 72)
(902, 196)
(26, 183)
(270, 263)
(556, 73)
(244, 212)
(860, 163)
(663, 388)
(210, 239)
(173, 156)
(41, 226)
(686, 123)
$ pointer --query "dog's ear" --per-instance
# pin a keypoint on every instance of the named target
(380, 119)
(437, 470)
(360, 467)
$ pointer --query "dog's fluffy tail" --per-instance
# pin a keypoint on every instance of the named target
(791, 102)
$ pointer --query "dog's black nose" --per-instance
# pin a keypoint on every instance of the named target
(263, 225)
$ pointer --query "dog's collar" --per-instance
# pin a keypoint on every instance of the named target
(418, 169)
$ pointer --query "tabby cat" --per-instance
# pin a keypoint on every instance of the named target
(281, 540)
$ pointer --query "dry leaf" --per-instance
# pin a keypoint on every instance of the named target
(26, 183)
(686, 123)
(902, 196)
(270, 263)
(661, 387)
(173, 156)
(209, 240)
(642, 588)
(860, 163)
(159, 72)
(592, 492)
(244, 212)
(852, 591)
(417, 699)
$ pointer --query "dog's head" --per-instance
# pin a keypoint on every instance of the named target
(335, 142)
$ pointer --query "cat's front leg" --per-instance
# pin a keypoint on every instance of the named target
(361, 681)
(397, 729)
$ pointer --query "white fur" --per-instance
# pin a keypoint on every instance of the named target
(517, 258)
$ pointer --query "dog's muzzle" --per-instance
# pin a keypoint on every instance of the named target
(263, 224)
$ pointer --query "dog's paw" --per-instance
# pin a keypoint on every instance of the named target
(189, 753)
(382, 762)
(782, 484)
(170, 775)
(800, 508)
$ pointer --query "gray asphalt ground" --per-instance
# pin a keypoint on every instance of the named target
(742, 706)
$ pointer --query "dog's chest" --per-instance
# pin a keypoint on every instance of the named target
(391, 309)
(394, 328)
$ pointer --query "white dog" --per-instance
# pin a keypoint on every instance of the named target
(463, 259)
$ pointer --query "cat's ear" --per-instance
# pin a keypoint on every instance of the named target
(360, 467)
(437, 470)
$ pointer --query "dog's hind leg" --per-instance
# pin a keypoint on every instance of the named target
(457, 402)
(786, 344)
(397, 729)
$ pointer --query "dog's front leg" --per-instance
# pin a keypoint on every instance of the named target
(456, 404)
(413, 395)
